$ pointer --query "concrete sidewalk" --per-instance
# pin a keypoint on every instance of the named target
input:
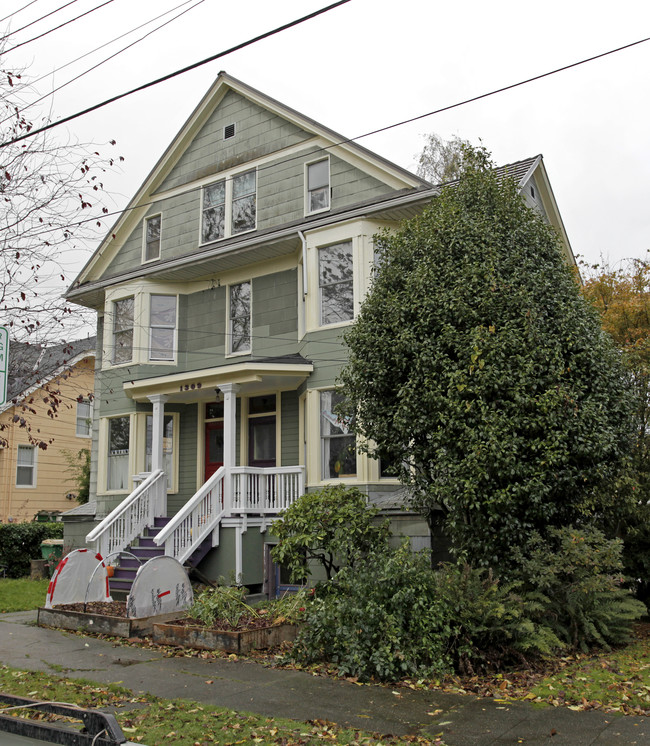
(248, 686)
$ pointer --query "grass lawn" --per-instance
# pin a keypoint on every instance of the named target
(179, 722)
(21, 594)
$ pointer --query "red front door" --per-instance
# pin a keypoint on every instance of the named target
(213, 447)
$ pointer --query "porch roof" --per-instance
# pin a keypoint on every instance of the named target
(254, 376)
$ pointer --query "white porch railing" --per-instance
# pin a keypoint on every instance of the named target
(132, 516)
(196, 519)
(266, 491)
(239, 491)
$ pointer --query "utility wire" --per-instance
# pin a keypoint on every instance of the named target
(42, 18)
(56, 28)
(110, 57)
(183, 70)
(16, 12)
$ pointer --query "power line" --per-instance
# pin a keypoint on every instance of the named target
(110, 57)
(183, 70)
(61, 25)
(16, 12)
(42, 18)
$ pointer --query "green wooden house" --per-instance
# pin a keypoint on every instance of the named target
(222, 293)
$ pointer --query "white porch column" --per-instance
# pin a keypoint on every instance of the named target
(158, 401)
(229, 391)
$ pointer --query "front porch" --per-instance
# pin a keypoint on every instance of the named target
(241, 487)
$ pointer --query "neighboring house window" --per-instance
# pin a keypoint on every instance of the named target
(240, 318)
(240, 194)
(123, 330)
(338, 444)
(214, 212)
(335, 282)
(152, 238)
(118, 453)
(162, 327)
(26, 467)
(168, 446)
(84, 418)
(243, 202)
(318, 186)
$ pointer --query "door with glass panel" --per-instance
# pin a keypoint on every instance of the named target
(213, 438)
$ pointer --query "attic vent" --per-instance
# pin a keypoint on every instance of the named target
(228, 131)
(532, 192)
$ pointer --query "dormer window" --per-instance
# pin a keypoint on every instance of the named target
(318, 186)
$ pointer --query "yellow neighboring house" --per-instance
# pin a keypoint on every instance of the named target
(46, 420)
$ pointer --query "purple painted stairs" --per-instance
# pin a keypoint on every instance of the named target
(144, 548)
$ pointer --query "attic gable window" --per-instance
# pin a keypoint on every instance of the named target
(318, 186)
(229, 207)
(152, 227)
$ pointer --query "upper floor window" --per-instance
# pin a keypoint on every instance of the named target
(123, 330)
(162, 327)
(84, 418)
(229, 207)
(26, 466)
(318, 186)
(152, 227)
(335, 283)
(240, 318)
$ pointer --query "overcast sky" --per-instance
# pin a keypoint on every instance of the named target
(370, 64)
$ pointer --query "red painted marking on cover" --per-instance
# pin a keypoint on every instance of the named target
(57, 574)
(166, 593)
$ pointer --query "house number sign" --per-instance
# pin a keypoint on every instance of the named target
(189, 386)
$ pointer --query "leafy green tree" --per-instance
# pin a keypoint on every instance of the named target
(332, 527)
(479, 371)
(79, 467)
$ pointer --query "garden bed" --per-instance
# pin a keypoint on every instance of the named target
(257, 634)
(102, 617)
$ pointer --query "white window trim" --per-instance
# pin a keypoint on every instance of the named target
(249, 351)
(144, 238)
(306, 185)
(112, 318)
(89, 434)
(227, 228)
(162, 361)
(33, 467)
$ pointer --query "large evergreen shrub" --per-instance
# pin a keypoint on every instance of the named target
(21, 542)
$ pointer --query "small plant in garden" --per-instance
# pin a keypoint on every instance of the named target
(223, 603)
(334, 527)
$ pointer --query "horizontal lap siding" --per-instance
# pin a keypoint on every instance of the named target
(290, 449)
(275, 314)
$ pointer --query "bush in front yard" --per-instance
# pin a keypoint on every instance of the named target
(576, 576)
(393, 616)
(21, 542)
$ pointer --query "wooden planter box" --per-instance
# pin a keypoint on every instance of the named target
(107, 625)
(204, 638)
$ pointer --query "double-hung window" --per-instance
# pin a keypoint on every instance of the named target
(123, 330)
(335, 283)
(229, 207)
(152, 227)
(26, 466)
(318, 186)
(117, 477)
(162, 327)
(239, 338)
(338, 443)
(84, 418)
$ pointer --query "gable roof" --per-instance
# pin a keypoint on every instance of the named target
(327, 139)
(32, 365)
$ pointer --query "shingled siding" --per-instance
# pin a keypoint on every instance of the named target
(258, 132)
(204, 329)
(326, 349)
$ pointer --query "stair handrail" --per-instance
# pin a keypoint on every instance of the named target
(101, 533)
(188, 521)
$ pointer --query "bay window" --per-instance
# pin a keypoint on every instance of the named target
(335, 283)
(123, 330)
(162, 327)
(240, 318)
